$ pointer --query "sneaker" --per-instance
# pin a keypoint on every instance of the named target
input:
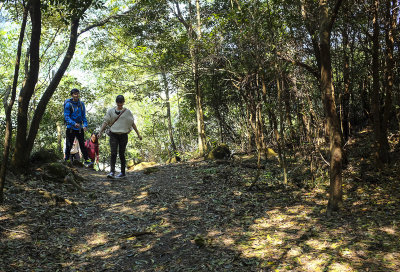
(111, 175)
(121, 175)
(88, 163)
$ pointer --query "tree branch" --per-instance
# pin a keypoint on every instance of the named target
(179, 16)
(309, 68)
(41, 107)
(103, 22)
(334, 14)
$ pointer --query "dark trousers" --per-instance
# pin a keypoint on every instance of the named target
(118, 141)
(70, 135)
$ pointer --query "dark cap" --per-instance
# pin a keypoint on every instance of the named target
(120, 99)
(74, 91)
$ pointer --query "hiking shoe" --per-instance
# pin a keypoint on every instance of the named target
(111, 175)
(121, 175)
(88, 163)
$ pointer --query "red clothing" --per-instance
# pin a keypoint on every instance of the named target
(93, 149)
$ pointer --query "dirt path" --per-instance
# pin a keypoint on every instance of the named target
(193, 217)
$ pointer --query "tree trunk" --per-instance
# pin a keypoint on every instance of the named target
(249, 134)
(346, 87)
(380, 134)
(25, 144)
(194, 39)
(199, 103)
(280, 136)
(8, 107)
(21, 155)
(168, 106)
(199, 114)
(335, 136)
(366, 109)
(391, 19)
(288, 115)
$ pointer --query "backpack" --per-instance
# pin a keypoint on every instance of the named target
(69, 101)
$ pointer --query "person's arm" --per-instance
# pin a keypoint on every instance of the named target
(107, 119)
(102, 129)
(84, 116)
(136, 130)
(67, 114)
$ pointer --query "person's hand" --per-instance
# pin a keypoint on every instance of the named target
(84, 129)
(77, 125)
(99, 135)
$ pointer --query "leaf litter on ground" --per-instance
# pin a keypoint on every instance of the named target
(200, 216)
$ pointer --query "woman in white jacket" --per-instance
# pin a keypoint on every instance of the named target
(121, 122)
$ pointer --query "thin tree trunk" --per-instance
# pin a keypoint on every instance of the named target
(44, 100)
(381, 144)
(366, 109)
(288, 116)
(168, 106)
(8, 107)
(391, 19)
(249, 135)
(346, 90)
(25, 143)
(200, 115)
(280, 137)
(199, 95)
(335, 136)
(21, 155)
(194, 39)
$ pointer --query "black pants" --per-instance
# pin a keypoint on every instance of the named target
(79, 134)
(118, 141)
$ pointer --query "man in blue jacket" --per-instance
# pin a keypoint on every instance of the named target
(75, 119)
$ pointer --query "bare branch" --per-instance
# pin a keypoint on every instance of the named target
(309, 68)
(103, 22)
(334, 14)
(178, 15)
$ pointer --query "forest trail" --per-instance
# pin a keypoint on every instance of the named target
(198, 216)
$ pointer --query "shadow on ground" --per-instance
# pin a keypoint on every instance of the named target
(197, 217)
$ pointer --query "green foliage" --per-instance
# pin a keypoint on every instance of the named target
(70, 9)
(238, 46)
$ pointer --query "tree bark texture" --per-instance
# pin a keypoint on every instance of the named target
(199, 96)
(335, 136)
(21, 155)
(381, 144)
(168, 106)
(25, 141)
(194, 40)
(391, 25)
(8, 106)
(346, 87)
(280, 134)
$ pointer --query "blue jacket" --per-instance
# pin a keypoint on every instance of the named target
(75, 112)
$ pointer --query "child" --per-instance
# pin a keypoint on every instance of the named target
(92, 146)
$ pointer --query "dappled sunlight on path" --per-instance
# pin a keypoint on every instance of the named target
(189, 217)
